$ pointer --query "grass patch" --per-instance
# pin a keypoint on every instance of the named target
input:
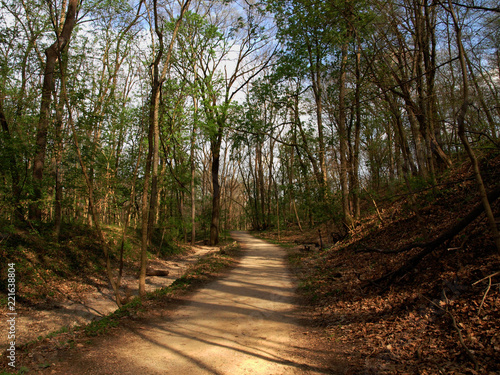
(22, 370)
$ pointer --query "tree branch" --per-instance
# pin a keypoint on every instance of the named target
(477, 7)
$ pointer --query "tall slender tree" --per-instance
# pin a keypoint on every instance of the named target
(63, 28)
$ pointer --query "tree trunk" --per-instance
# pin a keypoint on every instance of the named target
(154, 132)
(461, 131)
(145, 208)
(57, 172)
(343, 139)
(14, 171)
(52, 54)
(155, 138)
(193, 174)
(315, 73)
(479, 93)
(305, 145)
(153, 135)
(408, 165)
(417, 138)
(260, 179)
(215, 146)
(93, 209)
(357, 141)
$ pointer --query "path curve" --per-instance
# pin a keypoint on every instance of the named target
(243, 323)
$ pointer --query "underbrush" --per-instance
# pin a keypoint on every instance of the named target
(48, 270)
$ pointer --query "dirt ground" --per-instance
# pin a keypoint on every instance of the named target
(96, 303)
(247, 322)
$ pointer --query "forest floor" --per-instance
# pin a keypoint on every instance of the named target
(82, 302)
(440, 314)
(246, 322)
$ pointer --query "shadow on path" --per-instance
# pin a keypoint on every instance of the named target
(243, 323)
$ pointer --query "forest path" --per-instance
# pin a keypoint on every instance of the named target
(244, 323)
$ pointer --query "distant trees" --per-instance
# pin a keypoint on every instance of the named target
(230, 54)
(372, 70)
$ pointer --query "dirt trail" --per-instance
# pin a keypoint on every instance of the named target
(244, 323)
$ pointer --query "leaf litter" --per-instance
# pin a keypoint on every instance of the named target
(441, 317)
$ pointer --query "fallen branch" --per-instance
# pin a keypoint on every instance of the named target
(155, 272)
(487, 290)
(455, 325)
(370, 249)
(487, 277)
(429, 247)
(484, 297)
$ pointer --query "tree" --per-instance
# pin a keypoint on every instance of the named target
(63, 28)
(158, 76)
(307, 47)
(21, 30)
(230, 34)
(461, 128)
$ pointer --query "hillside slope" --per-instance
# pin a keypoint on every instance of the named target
(425, 310)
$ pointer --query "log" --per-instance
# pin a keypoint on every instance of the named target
(155, 272)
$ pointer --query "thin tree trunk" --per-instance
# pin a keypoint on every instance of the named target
(13, 167)
(57, 172)
(93, 209)
(260, 178)
(153, 128)
(126, 215)
(315, 73)
(408, 165)
(154, 131)
(419, 143)
(193, 172)
(479, 93)
(155, 138)
(343, 139)
(357, 141)
(145, 208)
(305, 145)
